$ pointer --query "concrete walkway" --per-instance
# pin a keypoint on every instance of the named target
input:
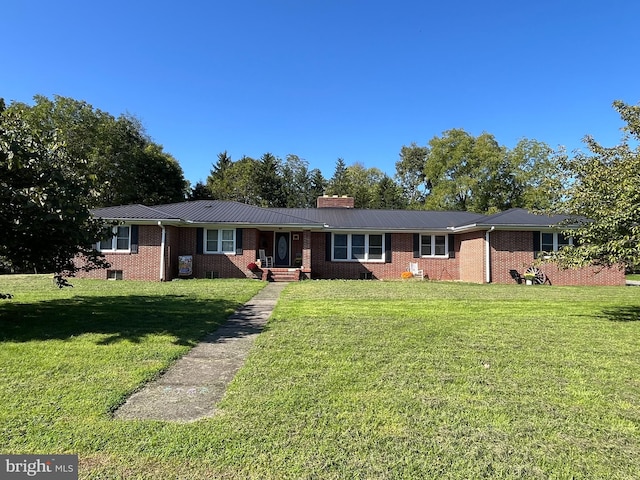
(191, 388)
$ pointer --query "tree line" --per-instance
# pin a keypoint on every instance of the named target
(289, 183)
(455, 171)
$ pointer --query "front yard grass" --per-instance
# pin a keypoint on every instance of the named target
(349, 380)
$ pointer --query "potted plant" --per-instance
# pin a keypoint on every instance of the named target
(255, 269)
(528, 277)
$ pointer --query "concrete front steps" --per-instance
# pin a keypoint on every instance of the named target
(281, 274)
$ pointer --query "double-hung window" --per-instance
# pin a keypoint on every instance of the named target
(119, 241)
(361, 247)
(433, 245)
(552, 242)
(219, 241)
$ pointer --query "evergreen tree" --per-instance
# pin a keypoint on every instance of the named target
(270, 190)
(388, 195)
(219, 181)
(317, 187)
(200, 191)
(339, 184)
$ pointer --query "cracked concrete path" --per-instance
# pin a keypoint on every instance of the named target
(190, 389)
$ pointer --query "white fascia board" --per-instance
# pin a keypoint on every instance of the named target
(513, 228)
(144, 221)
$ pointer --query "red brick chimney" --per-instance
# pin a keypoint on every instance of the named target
(336, 202)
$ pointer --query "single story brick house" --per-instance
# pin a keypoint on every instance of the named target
(219, 239)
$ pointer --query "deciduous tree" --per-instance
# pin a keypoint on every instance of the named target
(458, 171)
(129, 166)
(462, 170)
(410, 174)
(533, 175)
(45, 196)
(363, 184)
(603, 199)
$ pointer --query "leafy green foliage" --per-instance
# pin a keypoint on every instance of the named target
(364, 182)
(388, 195)
(200, 191)
(604, 190)
(45, 196)
(410, 174)
(300, 186)
(267, 182)
(369, 187)
(458, 171)
(129, 167)
(533, 174)
(464, 171)
(235, 181)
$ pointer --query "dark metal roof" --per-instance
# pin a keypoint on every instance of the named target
(350, 218)
(519, 217)
(203, 211)
(218, 211)
(137, 212)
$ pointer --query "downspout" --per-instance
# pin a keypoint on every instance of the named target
(162, 249)
(487, 255)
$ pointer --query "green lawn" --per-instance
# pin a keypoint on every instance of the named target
(349, 380)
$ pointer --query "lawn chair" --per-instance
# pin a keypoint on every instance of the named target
(516, 276)
(266, 262)
(417, 273)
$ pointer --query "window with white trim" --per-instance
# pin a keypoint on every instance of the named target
(554, 241)
(119, 241)
(434, 246)
(219, 241)
(358, 247)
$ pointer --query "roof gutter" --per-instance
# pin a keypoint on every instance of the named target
(162, 249)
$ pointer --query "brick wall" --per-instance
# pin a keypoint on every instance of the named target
(509, 251)
(514, 251)
(144, 265)
(402, 255)
(472, 257)
(306, 254)
(224, 265)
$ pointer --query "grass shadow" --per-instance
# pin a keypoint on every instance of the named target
(622, 314)
(119, 318)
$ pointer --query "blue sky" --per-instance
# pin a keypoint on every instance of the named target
(329, 79)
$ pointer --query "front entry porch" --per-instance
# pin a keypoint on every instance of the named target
(290, 252)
